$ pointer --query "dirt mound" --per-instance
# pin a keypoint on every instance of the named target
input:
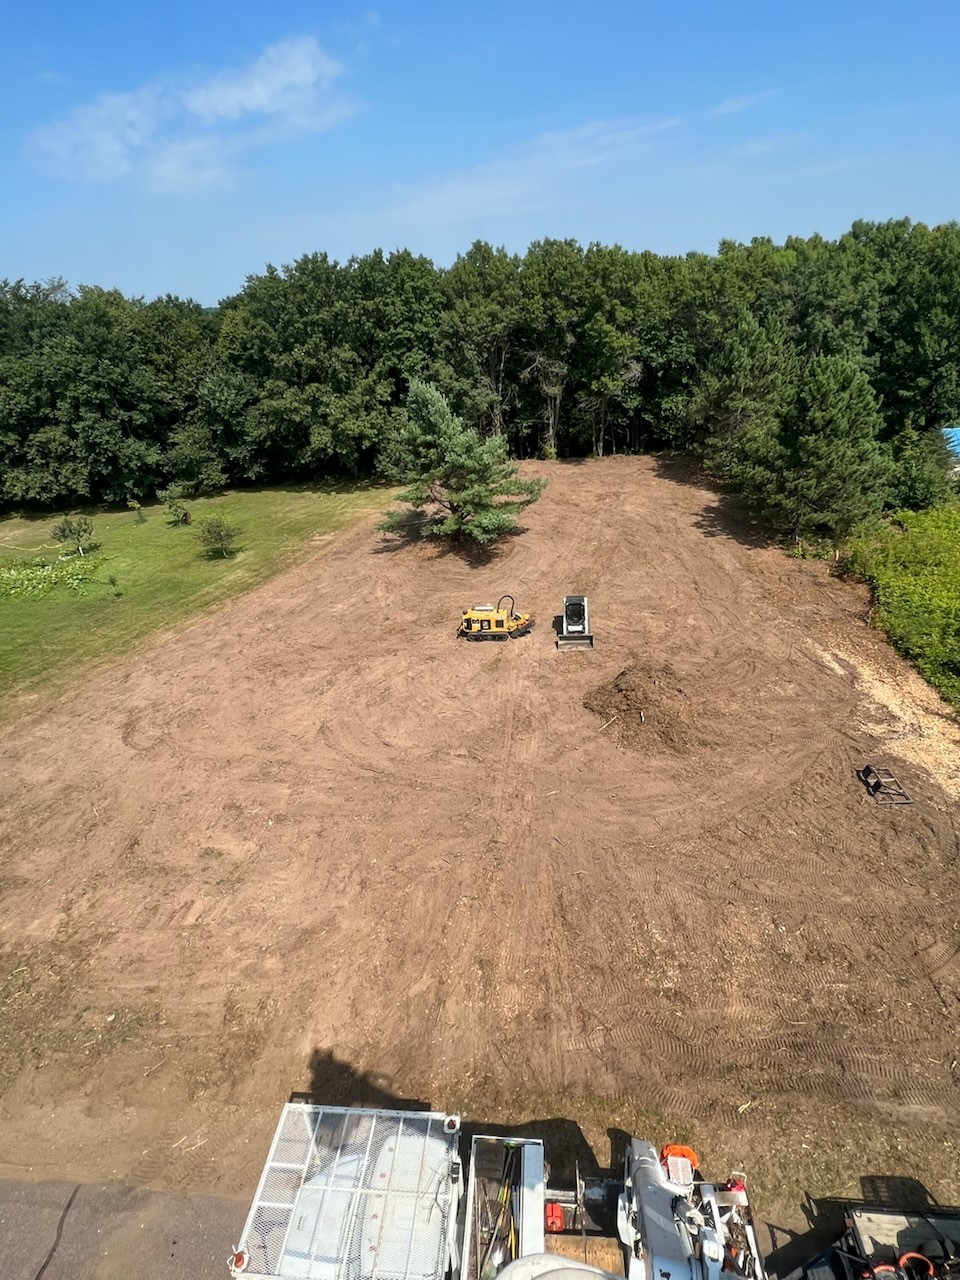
(646, 705)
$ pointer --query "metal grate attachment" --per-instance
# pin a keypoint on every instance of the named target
(351, 1194)
(884, 786)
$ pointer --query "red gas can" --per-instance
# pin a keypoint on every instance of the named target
(554, 1217)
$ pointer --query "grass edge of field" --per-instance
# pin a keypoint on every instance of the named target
(257, 565)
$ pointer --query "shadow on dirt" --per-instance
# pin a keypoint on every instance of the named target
(470, 553)
(725, 516)
(825, 1219)
(334, 1083)
(791, 1248)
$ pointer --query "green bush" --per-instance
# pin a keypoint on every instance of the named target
(913, 565)
(217, 535)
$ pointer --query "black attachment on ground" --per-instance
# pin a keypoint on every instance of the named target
(884, 786)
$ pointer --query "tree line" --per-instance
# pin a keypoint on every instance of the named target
(813, 376)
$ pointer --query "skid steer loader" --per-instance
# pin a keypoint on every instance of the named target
(573, 625)
(486, 622)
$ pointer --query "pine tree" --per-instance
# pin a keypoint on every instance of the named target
(459, 486)
(837, 472)
(742, 395)
(76, 530)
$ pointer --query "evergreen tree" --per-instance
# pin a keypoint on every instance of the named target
(837, 472)
(743, 392)
(808, 458)
(459, 485)
(78, 531)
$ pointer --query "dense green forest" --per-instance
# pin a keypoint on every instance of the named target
(813, 376)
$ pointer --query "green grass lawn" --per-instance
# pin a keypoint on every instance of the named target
(163, 577)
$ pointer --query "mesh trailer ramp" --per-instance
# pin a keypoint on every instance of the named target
(354, 1194)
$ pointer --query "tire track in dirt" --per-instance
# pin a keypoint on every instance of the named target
(320, 818)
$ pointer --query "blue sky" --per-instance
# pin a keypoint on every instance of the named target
(179, 147)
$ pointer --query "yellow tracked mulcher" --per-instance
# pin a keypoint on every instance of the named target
(486, 622)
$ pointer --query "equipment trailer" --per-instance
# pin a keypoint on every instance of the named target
(357, 1194)
(883, 1243)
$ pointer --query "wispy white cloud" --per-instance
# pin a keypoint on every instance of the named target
(527, 178)
(195, 164)
(729, 106)
(771, 145)
(287, 79)
(178, 136)
(541, 173)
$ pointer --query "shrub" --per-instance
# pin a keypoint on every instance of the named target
(217, 535)
(172, 496)
(77, 530)
(913, 565)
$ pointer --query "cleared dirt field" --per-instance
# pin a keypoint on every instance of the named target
(316, 842)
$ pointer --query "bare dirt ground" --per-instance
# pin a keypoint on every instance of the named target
(316, 842)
